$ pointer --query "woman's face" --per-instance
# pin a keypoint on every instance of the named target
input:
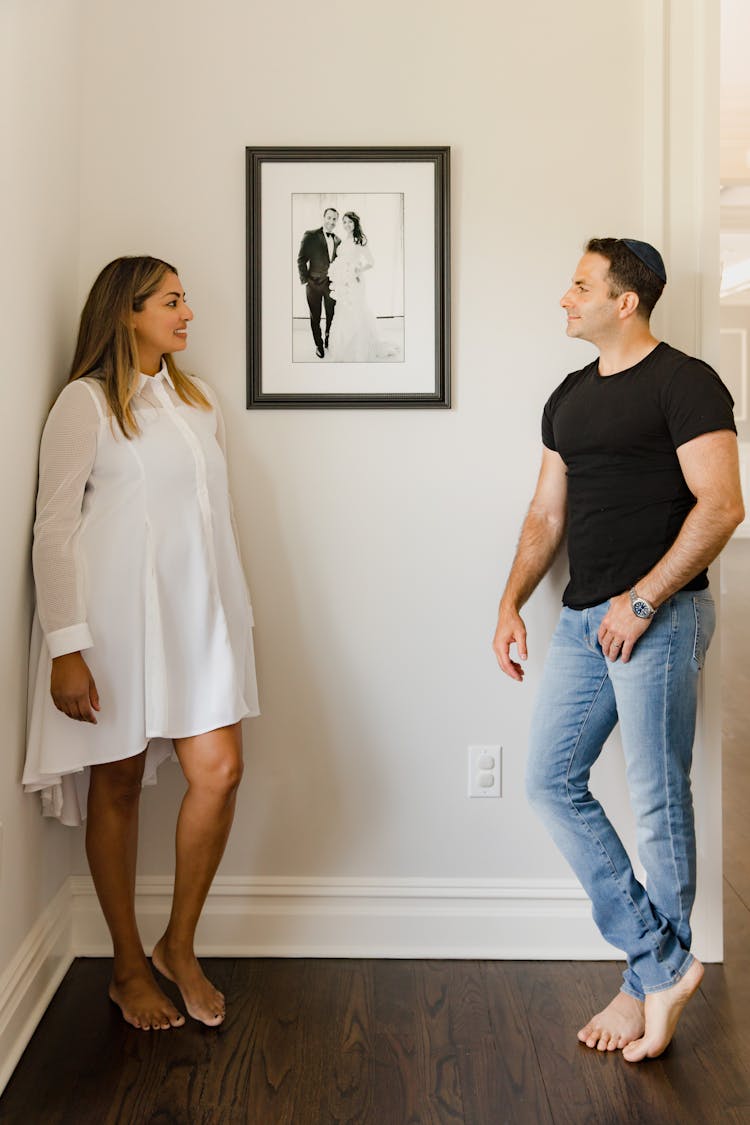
(347, 224)
(161, 325)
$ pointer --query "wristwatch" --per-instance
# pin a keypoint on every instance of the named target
(639, 605)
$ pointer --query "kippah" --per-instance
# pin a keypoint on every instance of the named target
(649, 255)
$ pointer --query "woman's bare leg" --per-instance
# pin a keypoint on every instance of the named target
(212, 764)
(112, 846)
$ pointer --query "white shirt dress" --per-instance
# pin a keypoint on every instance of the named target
(136, 564)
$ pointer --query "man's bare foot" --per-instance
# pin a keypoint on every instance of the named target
(663, 1010)
(142, 1002)
(620, 1023)
(202, 1000)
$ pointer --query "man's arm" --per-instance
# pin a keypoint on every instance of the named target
(303, 257)
(710, 465)
(540, 538)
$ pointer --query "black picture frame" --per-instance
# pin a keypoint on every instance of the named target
(284, 371)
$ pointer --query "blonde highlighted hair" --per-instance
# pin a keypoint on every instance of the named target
(106, 346)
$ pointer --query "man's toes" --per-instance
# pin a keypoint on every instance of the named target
(603, 1043)
(636, 1050)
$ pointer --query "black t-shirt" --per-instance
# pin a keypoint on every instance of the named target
(618, 435)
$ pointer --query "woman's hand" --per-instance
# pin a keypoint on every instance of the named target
(73, 688)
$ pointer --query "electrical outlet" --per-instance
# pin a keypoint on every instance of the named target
(485, 771)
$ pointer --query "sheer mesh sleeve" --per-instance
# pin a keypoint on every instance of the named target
(67, 454)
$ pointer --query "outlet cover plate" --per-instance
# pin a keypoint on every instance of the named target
(485, 771)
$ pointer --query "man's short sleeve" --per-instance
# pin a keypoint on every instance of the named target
(548, 431)
(696, 402)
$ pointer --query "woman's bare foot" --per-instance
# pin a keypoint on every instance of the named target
(663, 1010)
(142, 1002)
(618, 1024)
(202, 1000)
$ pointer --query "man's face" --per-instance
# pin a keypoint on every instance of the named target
(329, 220)
(592, 313)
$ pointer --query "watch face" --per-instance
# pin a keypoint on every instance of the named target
(641, 608)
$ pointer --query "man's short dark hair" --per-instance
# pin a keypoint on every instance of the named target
(327, 209)
(627, 273)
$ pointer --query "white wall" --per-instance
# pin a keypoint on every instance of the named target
(39, 103)
(376, 542)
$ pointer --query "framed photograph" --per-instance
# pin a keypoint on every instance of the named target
(348, 277)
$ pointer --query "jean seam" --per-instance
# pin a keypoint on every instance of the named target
(697, 638)
(676, 974)
(666, 762)
(630, 991)
(587, 827)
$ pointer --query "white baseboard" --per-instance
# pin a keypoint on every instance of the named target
(506, 919)
(32, 978)
(311, 917)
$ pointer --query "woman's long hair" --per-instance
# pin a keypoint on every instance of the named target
(106, 346)
(357, 234)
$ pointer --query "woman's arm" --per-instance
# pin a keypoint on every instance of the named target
(66, 457)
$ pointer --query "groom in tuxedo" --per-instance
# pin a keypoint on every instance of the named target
(317, 251)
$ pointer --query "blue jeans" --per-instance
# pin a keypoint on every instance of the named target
(654, 697)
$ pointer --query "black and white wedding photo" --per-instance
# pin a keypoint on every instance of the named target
(348, 277)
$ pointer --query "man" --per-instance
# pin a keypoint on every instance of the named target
(317, 251)
(640, 467)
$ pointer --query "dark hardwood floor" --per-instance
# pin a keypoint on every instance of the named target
(329, 1042)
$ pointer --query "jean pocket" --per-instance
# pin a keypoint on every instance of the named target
(705, 623)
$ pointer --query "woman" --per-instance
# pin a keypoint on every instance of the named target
(142, 637)
(354, 336)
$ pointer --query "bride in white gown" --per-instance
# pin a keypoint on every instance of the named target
(354, 335)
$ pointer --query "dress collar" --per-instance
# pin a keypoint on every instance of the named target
(161, 376)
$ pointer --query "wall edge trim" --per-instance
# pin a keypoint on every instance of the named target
(33, 976)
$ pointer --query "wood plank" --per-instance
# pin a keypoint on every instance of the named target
(433, 996)
(401, 1051)
(504, 1072)
(338, 1087)
(274, 1059)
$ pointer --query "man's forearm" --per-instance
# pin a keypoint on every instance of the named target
(705, 531)
(538, 544)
